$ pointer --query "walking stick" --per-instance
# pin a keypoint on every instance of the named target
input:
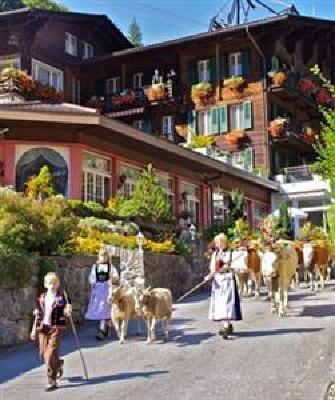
(191, 291)
(76, 338)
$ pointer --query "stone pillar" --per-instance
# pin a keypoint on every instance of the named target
(8, 178)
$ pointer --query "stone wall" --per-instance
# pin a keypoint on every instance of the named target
(160, 270)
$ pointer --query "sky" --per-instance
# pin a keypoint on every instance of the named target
(161, 20)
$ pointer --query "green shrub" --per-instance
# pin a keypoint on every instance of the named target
(101, 225)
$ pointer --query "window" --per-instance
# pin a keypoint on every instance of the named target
(76, 91)
(10, 61)
(235, 64)
(236, 117)
(204, 71)
(88, 51)
(138, 124)
(96, 178)
(220, 206)
(168, 126)
(191, 202)
(238, 159)
(204, 122)
(70, 44)
(166, 183)
(113, 85)
(259, 212)
(47, 75)
(128, 177)
(138, 80)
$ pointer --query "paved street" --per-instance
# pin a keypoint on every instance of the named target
(272, 358)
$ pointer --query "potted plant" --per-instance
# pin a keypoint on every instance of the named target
(234, 137)
(261, 171)
(157, 92)
(234, 83)
(279, 78)
(310, 135)
(182, 130)
(277, 127)
(202, 144)
(201, 92)
(323, 97)
(307, 85)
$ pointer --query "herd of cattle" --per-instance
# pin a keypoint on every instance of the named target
(280, 266)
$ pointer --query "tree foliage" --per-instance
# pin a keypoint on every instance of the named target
(8, 5)
(134, 34)
(148, 200)
(284, 225)
(41, 186)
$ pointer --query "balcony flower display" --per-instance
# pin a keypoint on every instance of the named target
(307, 85)
(310, 135)
(19, 81)
(201, 93)
(201, 141)
(127, 96)
(277, 127)
(96, 103)
(234, 83)
(182, 130)
(279, 78)
(234, 137)
(157, 92)
(323, 97)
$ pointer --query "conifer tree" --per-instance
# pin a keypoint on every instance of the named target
(134, 34)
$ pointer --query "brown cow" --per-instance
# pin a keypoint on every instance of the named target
(156, 305)
(254, 266)
(320, 261)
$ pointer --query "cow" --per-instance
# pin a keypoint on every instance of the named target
(239, 263)
(285, 267)
(298, 245)
(320, 261)
(124, 308)
(254, 267)
(308, 254)
(268, 259)
(156, 305)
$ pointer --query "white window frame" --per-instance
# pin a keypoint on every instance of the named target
(130, 182)
(204, 71)
(168, 126)
(138, 80)
(238, 159)
(97, 174)
(235, 64)
(113, 85)
(36, 65)
(168, 190)
(88, 52)
(138, 124)
(236, 117)
(204, 122)
(220, 201)
(192, 202)
(71, 44)
(10, 61)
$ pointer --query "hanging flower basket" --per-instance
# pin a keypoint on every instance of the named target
(279, 78)
(182, 130)
(126, 97)
(307, 85)
(277, 127)
(157, 92)
(323, 97)
(310, 135)
(234, 137)
(201, 93)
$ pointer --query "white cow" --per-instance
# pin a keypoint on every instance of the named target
(308, 253)
(268, 268)
(239, 263)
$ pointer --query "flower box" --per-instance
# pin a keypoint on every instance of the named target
(206, 151)
(201, 141)
(157, 92)
(279, 78)
(234, 83)
(234, 137)
(277, 127)
(201, 93)
(182, 130)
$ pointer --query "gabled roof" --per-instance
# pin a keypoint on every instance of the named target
(105, 22)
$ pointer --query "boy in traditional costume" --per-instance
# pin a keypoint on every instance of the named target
(225, 301)
(99, 308)
(50, 312)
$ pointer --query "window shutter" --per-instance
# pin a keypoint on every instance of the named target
(212, 66)
(191, 120)
(223, 119)
(223, 60)
(215, 120)
(247, 115)
(246, 58)
(249, 159)
(146, 127)
(192, 72)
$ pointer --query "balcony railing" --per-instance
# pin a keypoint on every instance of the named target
(298, 174)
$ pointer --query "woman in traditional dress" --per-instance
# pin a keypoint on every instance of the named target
(98, 308)
(225, 301)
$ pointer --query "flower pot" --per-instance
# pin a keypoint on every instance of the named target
(182, 130)
(279, 78)
(276, 129)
